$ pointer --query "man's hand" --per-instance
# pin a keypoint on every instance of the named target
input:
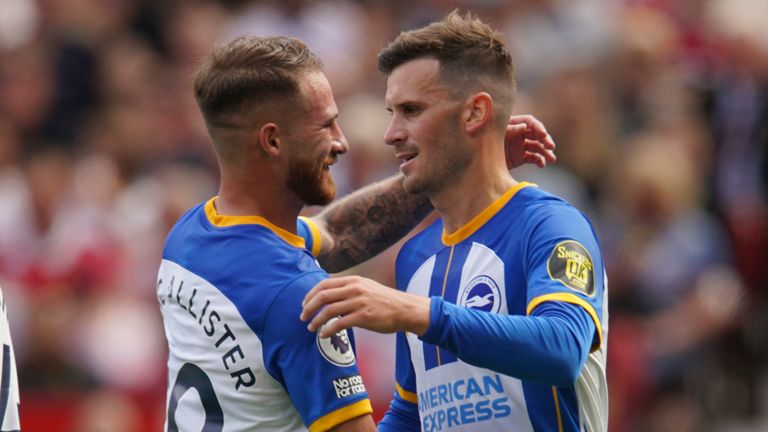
(362, 302)
(527, 141)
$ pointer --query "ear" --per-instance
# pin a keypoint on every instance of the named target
(478, 112)
(269, 139)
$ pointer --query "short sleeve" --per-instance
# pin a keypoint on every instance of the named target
(308, 230)
(320, 375)
(563, 262)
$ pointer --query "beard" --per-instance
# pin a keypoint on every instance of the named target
(313, 184)
(438, 174)
(440, 171)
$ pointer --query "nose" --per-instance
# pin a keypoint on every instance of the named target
(395, 133)
(339, 144)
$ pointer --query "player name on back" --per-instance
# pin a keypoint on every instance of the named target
(171, 293)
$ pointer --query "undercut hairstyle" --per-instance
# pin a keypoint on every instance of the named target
(250, 71)
(472, 57)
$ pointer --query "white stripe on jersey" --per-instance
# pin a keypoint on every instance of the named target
(460, 383)
(218, 344)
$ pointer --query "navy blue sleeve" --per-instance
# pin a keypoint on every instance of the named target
(549, 347)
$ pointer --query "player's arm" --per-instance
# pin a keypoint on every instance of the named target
(364, 423)
(562, 323)
(312, 372)
(549, 346)
(365, 223)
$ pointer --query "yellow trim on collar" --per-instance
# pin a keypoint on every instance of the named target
(317, 238)
(573, 299)
(478, 221)
(341, 415)
(223, 221)
(406, 395)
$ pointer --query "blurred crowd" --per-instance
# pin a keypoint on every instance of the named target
(659, 109)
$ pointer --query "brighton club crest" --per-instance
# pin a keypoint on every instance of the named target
(481, 293)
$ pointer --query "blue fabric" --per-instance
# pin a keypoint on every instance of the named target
(521, 295)
(402, 416)
(549, 347)
(266, 279)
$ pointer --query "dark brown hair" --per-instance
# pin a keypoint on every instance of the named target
(472, 57)
(247, 71)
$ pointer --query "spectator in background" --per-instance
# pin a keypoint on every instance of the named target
(603, 72)
(675, 291)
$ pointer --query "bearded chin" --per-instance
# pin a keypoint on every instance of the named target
(311, 183)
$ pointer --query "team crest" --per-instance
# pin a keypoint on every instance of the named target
(336, 349)
(571, 264)
(481, 293)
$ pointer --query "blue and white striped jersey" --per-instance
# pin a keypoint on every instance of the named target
(527, 254)
(230, 291)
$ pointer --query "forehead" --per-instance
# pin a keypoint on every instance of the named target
(414, 79)
(316, 95)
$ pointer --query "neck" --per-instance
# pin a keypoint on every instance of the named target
(240, 195)
(481, 183)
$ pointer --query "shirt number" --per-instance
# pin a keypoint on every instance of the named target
(191, 376)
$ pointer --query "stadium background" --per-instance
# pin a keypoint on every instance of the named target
(659, 109)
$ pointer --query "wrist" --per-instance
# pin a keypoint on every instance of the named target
(417, 314)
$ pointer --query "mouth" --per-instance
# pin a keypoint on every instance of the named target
(327, 164)
(405, 157)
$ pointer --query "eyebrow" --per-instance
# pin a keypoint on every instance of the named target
(327, 120)
(402, 104)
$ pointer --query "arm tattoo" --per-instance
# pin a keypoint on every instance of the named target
(368, 221)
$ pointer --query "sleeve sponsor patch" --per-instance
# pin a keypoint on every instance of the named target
(348, 386)
(336, 348)
(571, 264)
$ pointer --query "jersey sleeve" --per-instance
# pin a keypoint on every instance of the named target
(320, 375)
(549, 347)
(403, 412)
(563, 263)
(308, 230)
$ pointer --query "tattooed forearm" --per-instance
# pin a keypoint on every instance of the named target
(363, 224)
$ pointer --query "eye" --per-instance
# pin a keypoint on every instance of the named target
(410, 109)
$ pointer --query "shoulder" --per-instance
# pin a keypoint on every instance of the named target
(283, 307)
(188, 223)
(249, 263)
(281, 272)
(547, 213)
